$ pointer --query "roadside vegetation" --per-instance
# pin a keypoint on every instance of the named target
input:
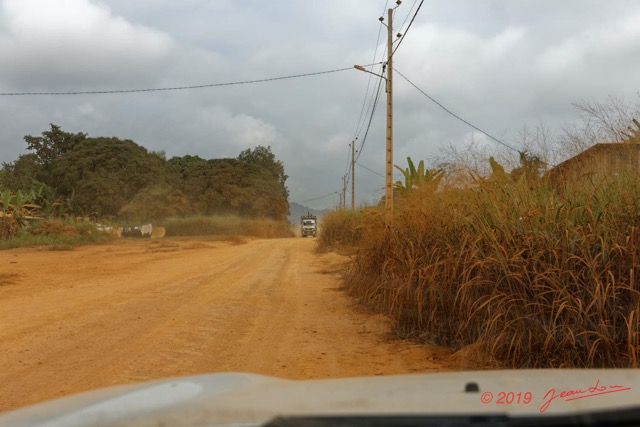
(509, 268)
(22, 224)
(116, 182)
(341, 229)
(55, 234)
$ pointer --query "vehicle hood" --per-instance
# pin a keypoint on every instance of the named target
(249, 399)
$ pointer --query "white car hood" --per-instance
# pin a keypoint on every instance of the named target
(249, 399)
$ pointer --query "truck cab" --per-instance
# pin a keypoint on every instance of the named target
(308, 225)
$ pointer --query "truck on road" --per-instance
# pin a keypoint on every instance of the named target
(308, 225)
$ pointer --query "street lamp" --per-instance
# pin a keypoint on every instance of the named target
(361, 68)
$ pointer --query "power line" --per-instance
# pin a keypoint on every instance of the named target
(363, 114)
(347, 168)
(320, 197)
(100, 92)
(373, 110)
(370, 170)
(408, 15)
(455, 115)
(407, 30)
(370, 110)
(361, 123)
(372, 101)
(366, 94)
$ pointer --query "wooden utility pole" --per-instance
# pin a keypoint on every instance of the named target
(353, 175)
(344, 192)
(389, 181)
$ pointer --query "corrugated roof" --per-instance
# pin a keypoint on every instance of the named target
(591, 152)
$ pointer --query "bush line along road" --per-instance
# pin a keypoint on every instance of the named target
(132, 311)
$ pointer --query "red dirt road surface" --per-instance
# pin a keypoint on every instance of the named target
(137, 310)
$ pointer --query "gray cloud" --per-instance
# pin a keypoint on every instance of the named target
(497, 63)
(73, 43)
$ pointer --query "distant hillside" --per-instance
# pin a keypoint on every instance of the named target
(297, 210)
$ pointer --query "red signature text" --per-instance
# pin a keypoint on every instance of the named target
(574, 394)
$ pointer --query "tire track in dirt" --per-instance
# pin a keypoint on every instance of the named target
(138, 310)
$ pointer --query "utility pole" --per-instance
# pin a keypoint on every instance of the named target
(389, 181)
(353, 175)
(389, 67)
(344, 192)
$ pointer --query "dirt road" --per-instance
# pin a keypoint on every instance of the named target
(136, 310)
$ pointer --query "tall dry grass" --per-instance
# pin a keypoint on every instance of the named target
(341, 229)
(527, 275)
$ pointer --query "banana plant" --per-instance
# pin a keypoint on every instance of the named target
(418, 178)
(16, 209)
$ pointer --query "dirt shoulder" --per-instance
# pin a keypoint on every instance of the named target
(137, 310)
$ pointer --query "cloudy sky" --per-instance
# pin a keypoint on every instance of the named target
(499, 64)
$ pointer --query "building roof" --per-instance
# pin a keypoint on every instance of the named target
(591, 152)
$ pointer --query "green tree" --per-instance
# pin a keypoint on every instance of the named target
(53, 143)
(233, 186)
(21, 174)
(263, 157)
(183, 164)
(100, 175)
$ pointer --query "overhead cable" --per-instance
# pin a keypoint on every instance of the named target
(370, 170)
(320, 197)
(407, 30)
(455, 115)
(408, 15)
(245, 82)
(372, 100)
(347, 170)
(373, 110)
(366, 94)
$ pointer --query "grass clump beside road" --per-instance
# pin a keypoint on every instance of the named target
(63, 234)
(57, 234)
(226, 225)
(340, 229)
(524, 275)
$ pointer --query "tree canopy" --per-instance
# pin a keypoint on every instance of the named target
(112, 176)
(263, 157)
(231, 185)
(102, 174)
(53, 143)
